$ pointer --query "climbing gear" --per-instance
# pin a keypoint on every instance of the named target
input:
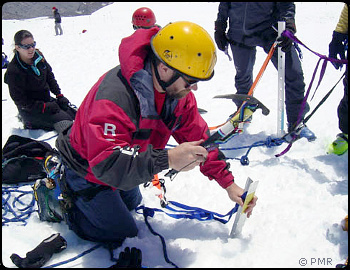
(255, 83)
(269, 142)
(16, 208)
(182, 211)
(160, 185)
(232, 127)
(143, 18)
(48, 194)
(294, 135)
(187, 48)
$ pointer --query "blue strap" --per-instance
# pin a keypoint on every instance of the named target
(188, 212)
(75, 257)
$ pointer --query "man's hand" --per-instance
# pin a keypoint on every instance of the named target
(187, 155)
(235, 193)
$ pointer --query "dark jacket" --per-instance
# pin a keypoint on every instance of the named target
(250, 23)
(30, 85)
(118, 138)
(57, 16)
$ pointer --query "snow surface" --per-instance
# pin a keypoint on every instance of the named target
(302, 196)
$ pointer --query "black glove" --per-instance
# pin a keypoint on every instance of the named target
(337, 47)
(220, 35)
(129, 259)
(62, 102)
(285, 42)
(51, 107)
(42, 253)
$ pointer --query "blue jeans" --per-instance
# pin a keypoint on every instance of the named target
(106, 217)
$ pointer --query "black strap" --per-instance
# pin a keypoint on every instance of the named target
(162, 83)
(322, 101)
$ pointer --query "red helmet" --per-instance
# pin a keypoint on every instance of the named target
(143, 17)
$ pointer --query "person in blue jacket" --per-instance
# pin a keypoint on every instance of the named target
(58, 21)
(254, 24)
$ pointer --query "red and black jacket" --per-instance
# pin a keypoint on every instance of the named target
(118, 138)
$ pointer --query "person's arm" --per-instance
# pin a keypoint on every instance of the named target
(194, 128)
(220, 26)
(51, 80)
(18, 91)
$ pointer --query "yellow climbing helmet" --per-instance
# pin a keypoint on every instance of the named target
(187, 48)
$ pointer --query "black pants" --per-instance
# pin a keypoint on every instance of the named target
(343, 106)
(45, 121)
(244, 60)
(106, 216)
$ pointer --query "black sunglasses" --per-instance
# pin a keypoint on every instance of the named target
(27, 46)
(189, 83)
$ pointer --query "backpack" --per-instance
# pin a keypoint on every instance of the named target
(23, 159)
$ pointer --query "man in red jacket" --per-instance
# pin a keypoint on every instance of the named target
(118, 138)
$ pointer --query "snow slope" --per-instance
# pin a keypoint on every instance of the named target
(303, 195)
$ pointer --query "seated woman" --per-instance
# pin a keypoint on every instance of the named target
(30, 80)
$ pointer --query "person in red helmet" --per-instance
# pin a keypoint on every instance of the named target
(58, 21)
(143, 18)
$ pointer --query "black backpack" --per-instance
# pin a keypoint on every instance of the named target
(23, 159)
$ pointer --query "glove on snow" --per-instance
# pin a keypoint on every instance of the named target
(129, 259)
(42, 253)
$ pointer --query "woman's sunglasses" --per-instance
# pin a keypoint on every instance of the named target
(27, 46)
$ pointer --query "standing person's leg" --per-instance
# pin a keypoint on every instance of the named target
(343, 107)
(60, 28)
(244, 60)
(340, 145)
(294, 85)
(56, 29)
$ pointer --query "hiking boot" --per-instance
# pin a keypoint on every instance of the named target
(307, 133)
(340, 144)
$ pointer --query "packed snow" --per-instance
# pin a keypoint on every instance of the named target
(302, 195)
